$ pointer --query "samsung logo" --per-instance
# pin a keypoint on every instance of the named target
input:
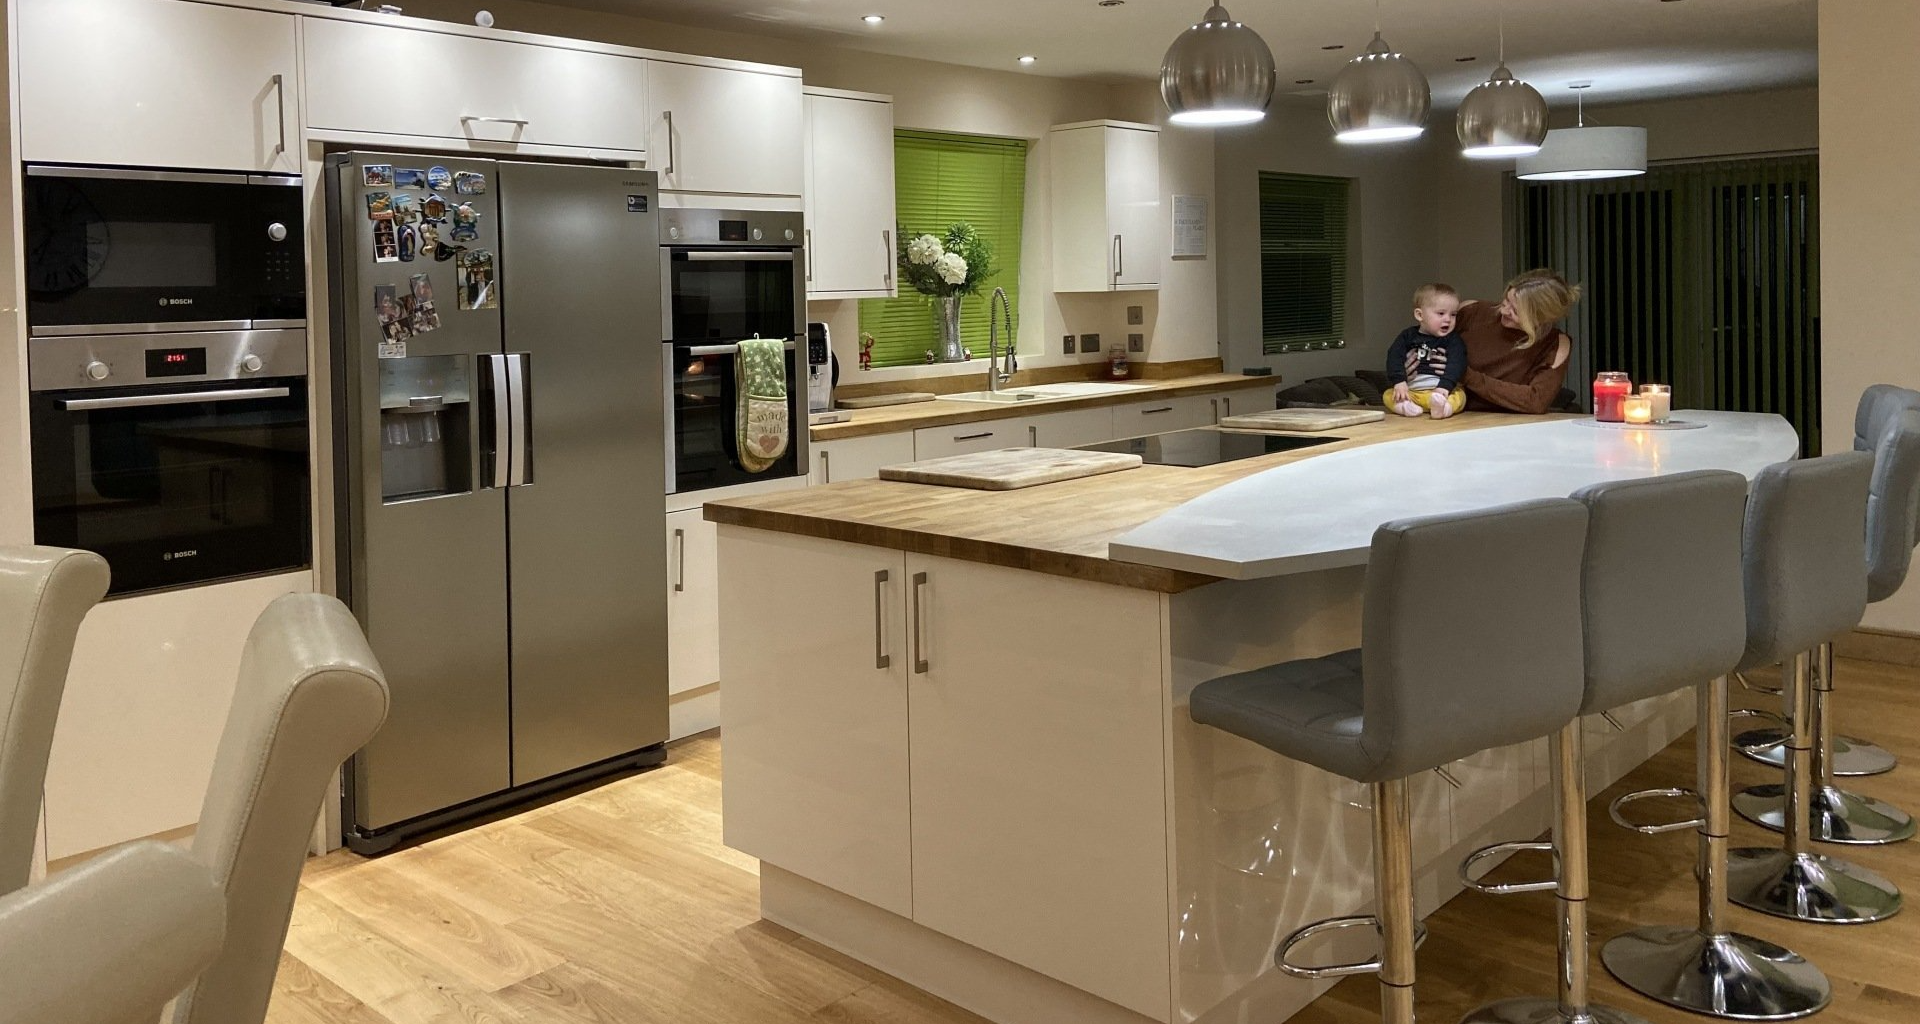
(189, 553)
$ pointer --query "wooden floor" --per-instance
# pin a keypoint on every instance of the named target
(621, 906)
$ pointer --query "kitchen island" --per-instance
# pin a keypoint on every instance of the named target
(956, 720)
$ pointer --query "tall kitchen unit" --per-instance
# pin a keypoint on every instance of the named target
(499, 457)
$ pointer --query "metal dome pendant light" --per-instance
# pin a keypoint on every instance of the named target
(1502, 116)
(1581, 153)
(1380, 96)
(1217, 73)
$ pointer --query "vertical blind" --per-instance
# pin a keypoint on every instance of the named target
(1702, 275)
(942, 179)
(1303, 262)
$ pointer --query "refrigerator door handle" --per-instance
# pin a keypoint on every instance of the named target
(520, 426)
(494, 368)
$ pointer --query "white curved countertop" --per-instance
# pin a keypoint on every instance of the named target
(1320, 513)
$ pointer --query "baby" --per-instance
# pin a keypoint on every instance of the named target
(1419, 386)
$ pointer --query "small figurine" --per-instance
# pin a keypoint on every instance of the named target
(866, 351)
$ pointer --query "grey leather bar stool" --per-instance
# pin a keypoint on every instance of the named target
(1806, 583)
(1835, 815)
(1796, 589)
(1643, 638)
(1393, 708)
(1892, 517)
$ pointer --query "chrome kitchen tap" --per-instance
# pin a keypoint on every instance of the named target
(995, 376)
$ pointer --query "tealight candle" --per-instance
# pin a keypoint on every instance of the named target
(1637, 408)
(1662, 397)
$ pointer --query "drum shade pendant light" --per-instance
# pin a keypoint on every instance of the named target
(1379, 96)
(1583, 153)
(1217, 73)
(1502, 116)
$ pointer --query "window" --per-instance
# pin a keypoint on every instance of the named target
(1303, 262)
(939, 180)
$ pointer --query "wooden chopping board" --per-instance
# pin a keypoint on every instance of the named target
(1008, 469)
(1302, 419)
(876, 401)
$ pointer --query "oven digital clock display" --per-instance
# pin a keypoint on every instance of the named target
(176, 362)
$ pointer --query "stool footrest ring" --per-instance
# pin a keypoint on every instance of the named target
(1771, 691)
(1506, 888)
(1781, 722)
(1653, 830)
(1371, 966)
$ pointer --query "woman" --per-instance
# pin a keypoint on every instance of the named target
(1516, 358)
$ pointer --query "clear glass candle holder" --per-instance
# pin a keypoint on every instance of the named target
(1637, 409)
(1662, 397)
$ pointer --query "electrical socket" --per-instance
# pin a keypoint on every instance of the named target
(1136, 315)
(1136, 343)
(1089, 343)
(1066, 342)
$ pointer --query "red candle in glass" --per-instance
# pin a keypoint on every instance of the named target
(1610, 390)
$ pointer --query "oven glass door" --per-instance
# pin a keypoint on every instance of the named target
(108, 252)
(180, 491)
(706, 451)
(721, 295)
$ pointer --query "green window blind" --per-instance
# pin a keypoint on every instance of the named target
(941, 179)
(1303, 262)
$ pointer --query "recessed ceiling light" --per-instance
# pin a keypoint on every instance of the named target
(1028, 59)
(1112, 3)
(873, 19)
(1335, 46)
(1464, 60)
(1303, 81)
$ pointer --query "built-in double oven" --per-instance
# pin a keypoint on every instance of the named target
(167, 371)
(728, 276)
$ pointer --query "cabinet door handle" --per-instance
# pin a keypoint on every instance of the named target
(1149, 412)
(886, 245)
(680, 560)
(1119, 257)
(809, 234)
(1033, 435)
(669, 170)
(280, 102)
(1226, 404)
(826, 467)
(881, 659)
(521, 121)
(972, 437)
(919, 646)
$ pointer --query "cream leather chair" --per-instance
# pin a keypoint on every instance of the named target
(44, 593)
(110, 941)
(310, 693)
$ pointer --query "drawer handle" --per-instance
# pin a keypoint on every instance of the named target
(919, 648)
(1149, 412)
(680, 560)
(1033, 435)
(826, 467)
(972, 437)
(521, 121)
(881, 659)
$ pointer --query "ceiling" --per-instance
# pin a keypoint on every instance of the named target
(1629, 49)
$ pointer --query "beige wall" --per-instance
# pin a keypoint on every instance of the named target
(949, 97)
(1869, 221)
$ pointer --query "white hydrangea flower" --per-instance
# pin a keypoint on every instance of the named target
(925, 250)
(951, 268)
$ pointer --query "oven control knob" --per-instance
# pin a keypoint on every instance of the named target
(97, 370)
(673, 232)
(250, 363)
(789, 234)
(277, 231)
(758, 234)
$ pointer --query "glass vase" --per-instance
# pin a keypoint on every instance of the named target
(946, 309)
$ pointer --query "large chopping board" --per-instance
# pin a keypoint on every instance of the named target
(876, 401)
(1302, 419)
(1008, 469)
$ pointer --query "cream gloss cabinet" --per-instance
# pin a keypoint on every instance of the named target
(724, 130)
(1109, 228)
(849, 195)
(693, 603)
(134, 82)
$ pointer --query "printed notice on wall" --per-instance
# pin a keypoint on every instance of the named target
(1190, 227)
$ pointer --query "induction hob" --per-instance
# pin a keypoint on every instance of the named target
(1205, 446)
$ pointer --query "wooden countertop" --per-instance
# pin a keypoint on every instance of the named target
(942, 412)
(1062, 529)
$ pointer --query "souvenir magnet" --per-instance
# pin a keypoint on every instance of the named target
(429, 240)
(377, 175)
(409, 242)
(479, 289)
(466, 223)
(409, 177)
(444, 251)
(433, 209)
(386, 242)
(405, 210)
(425, 317)
(439, 179)
(379, 206)
(470, 183)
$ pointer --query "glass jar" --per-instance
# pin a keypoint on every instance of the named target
(1610, 389)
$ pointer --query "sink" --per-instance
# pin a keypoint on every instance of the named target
(1083, 389)
(1001, 397)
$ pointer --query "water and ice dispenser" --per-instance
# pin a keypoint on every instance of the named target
(425, 427)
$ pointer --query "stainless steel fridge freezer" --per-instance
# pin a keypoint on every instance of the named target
(499, 447)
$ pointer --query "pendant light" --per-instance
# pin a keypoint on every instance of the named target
(1217, 73)
(1502, 116)
(1379, 96)
(1583, 153)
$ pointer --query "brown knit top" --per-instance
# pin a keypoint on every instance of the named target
(1500, 376)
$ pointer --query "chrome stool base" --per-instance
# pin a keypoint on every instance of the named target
(1808, 887)
(1730, 976)
(1836, 816)
(1850, 757)
(1547, 1011)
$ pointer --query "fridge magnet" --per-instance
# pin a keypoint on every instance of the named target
(425, 317)
(389, 310)
(386, 242)
(377, 175)
(405, 210)
(379, 206)
(470, 183)
(478, 287)
(433, 209)
(409, 177)
(429, 240)
(409, 242)
(439, 179)
(444, 251)
(466, 223)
